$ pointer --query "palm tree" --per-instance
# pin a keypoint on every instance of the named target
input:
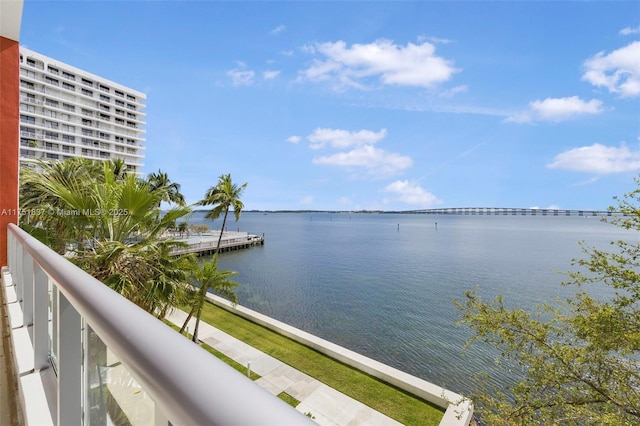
(114, 222)
(209, 277)
(224, 196)
(182, 228)
(170, 190)
(41, 205)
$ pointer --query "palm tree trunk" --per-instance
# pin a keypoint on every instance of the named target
(184, 326)
(224, 222)
(194, 338)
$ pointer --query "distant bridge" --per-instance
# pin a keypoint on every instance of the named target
(508, 211)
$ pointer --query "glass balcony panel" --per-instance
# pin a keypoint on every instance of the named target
(114, 397)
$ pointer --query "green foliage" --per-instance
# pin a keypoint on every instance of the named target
(580, 357)
(109, 223)
(223, 197)
(199, 229)
(209, 277)
(169, 191)
(288, 399)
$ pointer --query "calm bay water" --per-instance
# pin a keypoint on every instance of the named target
(383, 284)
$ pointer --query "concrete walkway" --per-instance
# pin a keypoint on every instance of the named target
(327, 405)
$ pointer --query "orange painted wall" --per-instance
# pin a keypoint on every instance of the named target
(9, 144)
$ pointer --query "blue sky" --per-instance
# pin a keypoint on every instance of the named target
(372, 105)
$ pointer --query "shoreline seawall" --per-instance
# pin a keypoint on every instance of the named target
(458, 410)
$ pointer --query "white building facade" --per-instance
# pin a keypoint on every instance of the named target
(67, 112)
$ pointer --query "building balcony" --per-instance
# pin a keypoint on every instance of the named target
(83, 354)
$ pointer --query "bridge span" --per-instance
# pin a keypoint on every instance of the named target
(512, 211)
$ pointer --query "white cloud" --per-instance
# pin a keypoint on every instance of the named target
(241, 77)
(270, 75)
(412, 193)
(306, 200)
(557, 109)
(410, 65)
(454, 91)
(376, 161)
(277, 30)
(599, 159)
(630, 31)
(618, 71)
(339, 138)
(436, 40)
(294, 139)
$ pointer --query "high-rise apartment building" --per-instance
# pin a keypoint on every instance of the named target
(67, 112)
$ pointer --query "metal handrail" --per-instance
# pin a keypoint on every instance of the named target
(190, 386)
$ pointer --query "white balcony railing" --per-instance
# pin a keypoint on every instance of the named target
(107, 358)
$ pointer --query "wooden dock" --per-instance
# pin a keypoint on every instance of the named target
(205, 244)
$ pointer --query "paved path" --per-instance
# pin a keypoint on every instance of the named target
(327, 405)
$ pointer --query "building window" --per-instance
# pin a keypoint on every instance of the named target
(51, 80)
(27, 119)
(68, 138)
(87, 82)
(68, 107)
(68, 75)
(87, 92)
(105, 98)
(104, 88)
(27, 108)
(133, 107)
(119, 103)
(131, 98)
(68, 86)
(53, 70)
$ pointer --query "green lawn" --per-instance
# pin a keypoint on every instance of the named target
(381, 396)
